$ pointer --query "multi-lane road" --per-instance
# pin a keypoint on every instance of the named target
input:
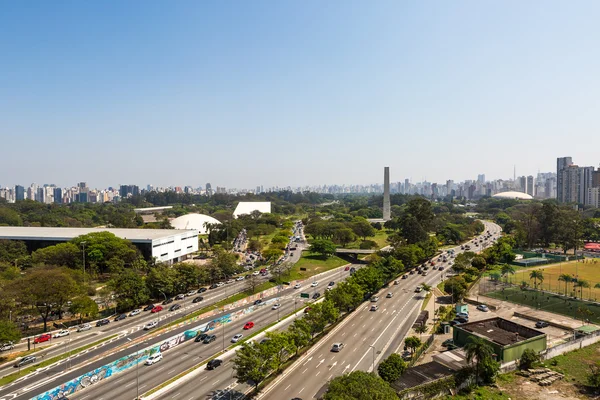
(368, 337)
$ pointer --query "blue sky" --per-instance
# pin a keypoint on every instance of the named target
(243, 93)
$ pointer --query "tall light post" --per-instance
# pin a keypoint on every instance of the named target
(373, 348)
(137, 369)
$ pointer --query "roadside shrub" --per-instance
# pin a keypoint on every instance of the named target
(368, 244)
(528, 358)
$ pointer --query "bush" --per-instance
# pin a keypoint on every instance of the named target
(368, 244)
(391, 368)
(528, 358)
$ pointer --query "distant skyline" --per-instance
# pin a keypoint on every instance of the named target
(270, 93)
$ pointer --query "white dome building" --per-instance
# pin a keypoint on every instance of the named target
(513, 196)
(194, 221)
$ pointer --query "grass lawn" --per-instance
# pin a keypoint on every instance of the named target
(380, 238)
(544, 301)
(314, 264)
(575, 364)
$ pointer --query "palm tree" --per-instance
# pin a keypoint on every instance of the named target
(536, 275)
(507, 269)
(421, 329)
(582, 283)
(477, 348)
(566, 278)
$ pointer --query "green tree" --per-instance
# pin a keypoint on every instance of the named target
(343, 236)
(323, 246)
(566, 278)
(186, 276)
(528, 359)
(60, 255)
(479, 263)
(346, 295)
(536, 275)
(83, 305)
(9, 332)
(12, 250)
(391, 368)
(161, 279)
(507, 269)
(252, 364)
(412, 230)
(279, 346)
(255, 245)
(477, 349)
(413, 343)
(316, 319)
(488, 370)
(569, 228)
(359, 385)
(300, 334)
(329, 311)
(9, 217)
(129, 289)
(102, 246)
(421, 209)
(369, 279)
(582, 284)
(225, 262)
(457, 286)
(362, 228)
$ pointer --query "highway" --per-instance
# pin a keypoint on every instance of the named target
(182, 356)
(307, 378)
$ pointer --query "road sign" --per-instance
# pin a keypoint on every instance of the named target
(304, 295)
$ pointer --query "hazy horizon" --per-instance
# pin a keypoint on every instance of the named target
(294, 94)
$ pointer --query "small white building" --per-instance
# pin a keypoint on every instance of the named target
(247, 207)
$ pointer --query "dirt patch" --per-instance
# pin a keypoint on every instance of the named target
(523, 389)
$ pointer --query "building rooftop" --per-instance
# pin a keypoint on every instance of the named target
(499, 330)
(513, 195)
(246, 207)
(64, 234)
(151, 209)
(421, 374)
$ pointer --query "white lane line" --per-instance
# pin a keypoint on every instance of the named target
(214, 383)
(129, 384)
(143, 386)
(176, 394)
(305, 370)
(287, 387)
(318, 372)
(355, 334)
(300, 390)
(171, 371)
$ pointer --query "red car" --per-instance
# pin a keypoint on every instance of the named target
(156, 309)
(307, 309)
(42, 338)
(347, 269)
(249, 325)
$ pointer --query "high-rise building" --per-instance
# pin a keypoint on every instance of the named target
(522, 184)
(208, 189)
(593, 197)
(585, 183)
(386, 194)
(481, 178)
(128, 191)
(530, 188)
(596, 179)
(561, 164)
(19, 193)
(57, 193)
(569, 178)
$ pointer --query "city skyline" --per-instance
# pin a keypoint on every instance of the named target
(269, 93)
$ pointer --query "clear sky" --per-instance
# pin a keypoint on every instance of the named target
(243, 93)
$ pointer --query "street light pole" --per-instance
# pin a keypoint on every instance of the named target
(137, 369)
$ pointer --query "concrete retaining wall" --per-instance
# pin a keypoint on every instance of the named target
(572, 345)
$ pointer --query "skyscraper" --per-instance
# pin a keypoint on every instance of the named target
(561, 164)
(530, 188)
(19, 193)
(386, 194)
(57, 195)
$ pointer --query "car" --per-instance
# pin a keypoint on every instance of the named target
(167, 301)
(462, 315)
(150, 325)
(64, 332)
(307, 310)
(347, 269)
(483, 307)
(42, 338)
(209, 339)
(404, 277)
(447, 342)
(255, 273)
(240, 278)
(275, 306)
(200, 337)
(441, 268)
(374, 299)
(198, 299)
(316, 295)
(230, 281)
(180, 297)
(174, 307)
(24, 361)
(236, 338)
(213, 286)
(337, 347)
(7, 346)
(297, 286)
(419, 272)
(148, 307)
(190, 293)
(542, 324)
(257, 302)
(103, 322)
(202, 290)
(314, 284)
(153, 359)
(352, 270)
(389, 295)
(331, 283)
(461, 320)
(424, 273)
(156, 309)
(84, 327)
(135, 312)
(374, 307)
(214, 363)
(219, 284)
(120, 317)
(249, 325)
(418, 289)
(411, 272)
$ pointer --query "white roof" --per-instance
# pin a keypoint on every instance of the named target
(246, 207)
(66, 234)
(513, 195)
(194, 221)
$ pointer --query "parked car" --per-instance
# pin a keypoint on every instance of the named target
(148, 307)
(64, 332)
(307, 310)
(198, 299)
(42, 338)
(174, 307)
(418, 289)
(337, 347)
(135, 312)
(84, 327)
(24, 361)
(153, 359)
(236, 338)
(200, 337)
(249, 325)
(214, 363)
(447, 342)
(7, 346)
(463, 315)
(240, 278)
(120, 317)
(347, 269)
(209, 339)
(461, 320)
(483, 307)
(257, 302)
(156, 309)
(150, 325)
(103, 322)
(542, 324)
(167, 301)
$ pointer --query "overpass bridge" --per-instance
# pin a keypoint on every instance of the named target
(353, 253)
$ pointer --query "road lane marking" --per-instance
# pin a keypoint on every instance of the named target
(305, 370)
(171, 371)
(300, 390)
(318, 372)
(287, 387)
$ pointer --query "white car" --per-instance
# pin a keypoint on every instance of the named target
(191, 293)
(374, 307)
(84, 327)
(236, 338)
(150, 325)
(314, 284)
(230, 281)
(240, 278)
(256, 273)
(297, 286)
(275, 306)
(153, 359)
(135, 312)
(64, 332)
(375, 299)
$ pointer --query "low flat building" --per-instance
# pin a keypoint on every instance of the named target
(166, 245)
(508, 339)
